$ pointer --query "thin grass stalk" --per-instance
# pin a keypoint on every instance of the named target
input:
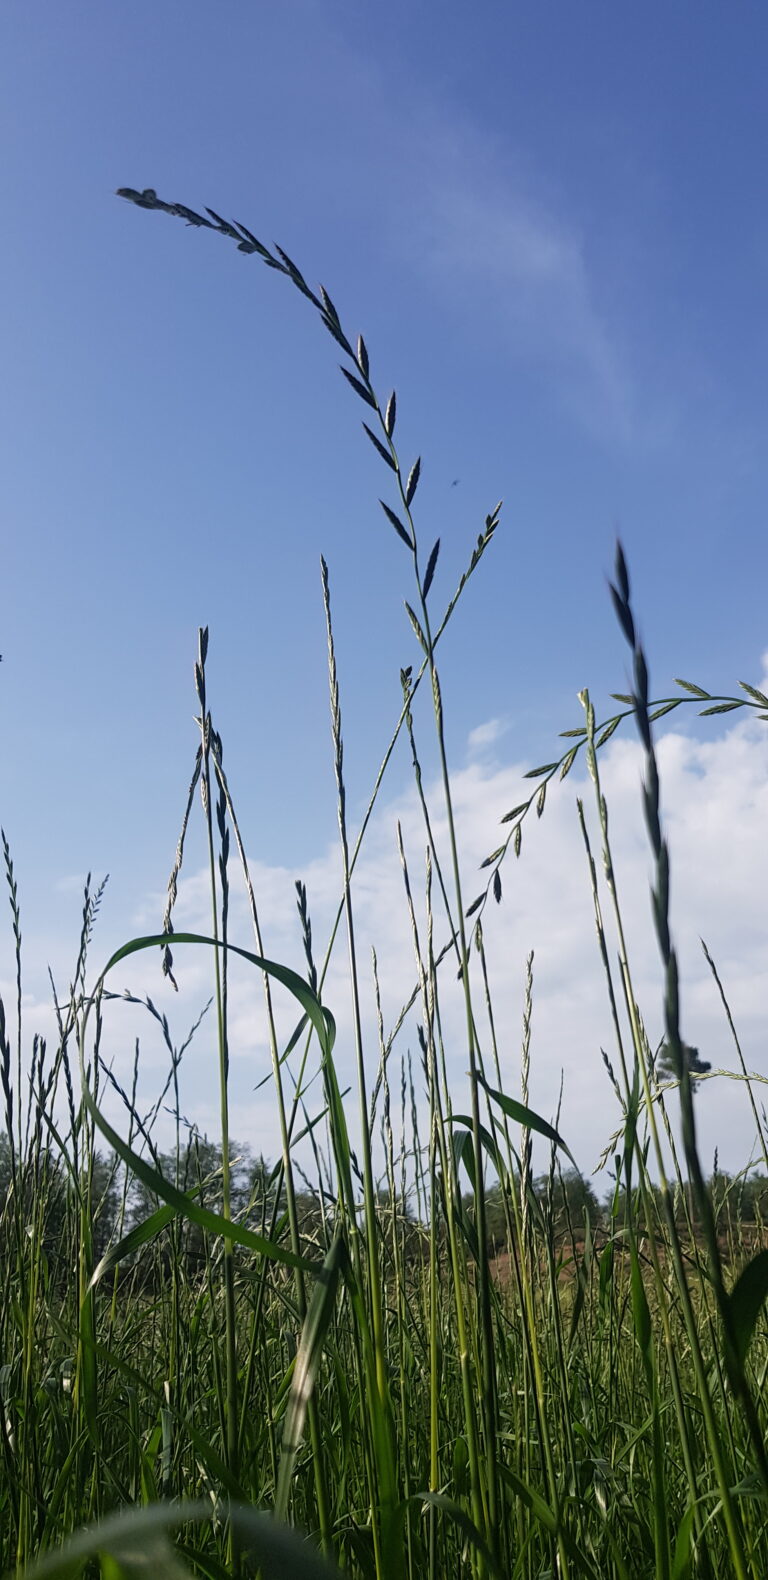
(16, 917)
(634, 1151)
(759, 1127)
(483, 1467)
(566, 1435)
(705, 1292)
(438, 1150)
(441, 1149)
(228, 1259)
(488, 1373)
(733, 1522)
(323, 1511)
(517, 1217)
(398, 1257)
(85, 1384)
(388, 1551)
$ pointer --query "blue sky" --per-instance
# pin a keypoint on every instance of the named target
(550, 224)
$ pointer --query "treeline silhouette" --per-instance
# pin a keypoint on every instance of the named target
(43, 1196)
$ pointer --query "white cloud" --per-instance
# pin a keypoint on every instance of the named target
(514, 264)
(499, 242)
(484, 736)
(715, 810)
(71, 883)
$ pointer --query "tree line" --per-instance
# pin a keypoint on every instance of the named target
(48, 1196)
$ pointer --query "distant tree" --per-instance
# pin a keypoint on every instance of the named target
(5, 1169)
(666, 1065)
(197, 1169)
(616, 1206)
(753, 1199)
(48, 1204)
(396, 1219)
(311, 1217)
(573, 1201)
(496, 1220)
(105, 1201)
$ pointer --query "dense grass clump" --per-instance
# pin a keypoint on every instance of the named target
(416, 1358)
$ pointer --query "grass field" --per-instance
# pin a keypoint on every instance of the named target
(217, 1363)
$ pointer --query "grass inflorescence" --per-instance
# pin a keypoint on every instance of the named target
(411, 1356)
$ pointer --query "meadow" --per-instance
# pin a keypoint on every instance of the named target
(420, 1358)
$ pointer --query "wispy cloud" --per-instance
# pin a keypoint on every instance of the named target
(484, 736)
(515, 268)
(71, 883)
(503, 249)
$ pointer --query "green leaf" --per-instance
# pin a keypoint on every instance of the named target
(516, 810)
(131, 1539)
(746, 1301)
(535, 773)
(141, 1235)
(397, 524)
(550, 1521)
(324, 1025)
(253, 242)
(333, 329)
(296, 274)
(568, 762)
(224, 225)
(541, 798)
(430, 570)
(384, 453)
(621, 696)
(184, 1204)
(525, 1116)
(497, 886)
(687, 685)
(413, 480)
(606, 734)
(486, 1138)
(328, 306)
(181, 210)
(390, 414)
(461, 1520)
(463, 1152)
(582, 1283)
(89, 1376)
(359, 388)
(362, 357)
(641, 1314)
(417, 628)
(751, 1486)
(460, 1467)
(759, 696)
(666, 707)
(306, 1367)
(145, 199)
(605, 1281)
(681, 1558)
(494, 856)
(721, 707)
